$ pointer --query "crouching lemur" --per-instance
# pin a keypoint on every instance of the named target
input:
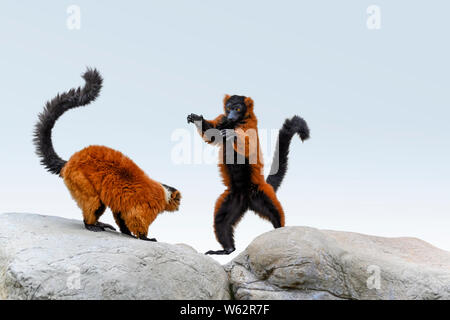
(99, 177)
(243, 176)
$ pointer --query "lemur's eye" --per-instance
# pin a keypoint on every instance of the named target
(238, 110)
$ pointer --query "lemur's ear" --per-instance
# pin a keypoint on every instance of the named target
(249, 103)
(225, 100)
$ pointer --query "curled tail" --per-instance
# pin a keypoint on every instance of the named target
(54, 109)
(280, 160)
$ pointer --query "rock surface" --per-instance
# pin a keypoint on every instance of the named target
(43, 257)
(306, 263)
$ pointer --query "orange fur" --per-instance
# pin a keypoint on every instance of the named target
(99, 175)
(214, 123)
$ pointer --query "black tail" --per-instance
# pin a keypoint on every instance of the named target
(280, 159)
(54, 109)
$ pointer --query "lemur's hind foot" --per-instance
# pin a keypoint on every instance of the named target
(221, 252)
(98, 227)
(147, 239)
(105, 226)
(93, 227)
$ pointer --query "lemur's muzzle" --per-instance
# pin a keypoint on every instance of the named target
(233, 115)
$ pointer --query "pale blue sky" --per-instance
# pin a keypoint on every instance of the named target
(377, 102)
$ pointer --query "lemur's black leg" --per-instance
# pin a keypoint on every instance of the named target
(98, 214)
(261, 204)
(227, 216)
(99, 226)
(121, 223)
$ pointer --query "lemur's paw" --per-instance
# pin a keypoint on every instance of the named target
(147, 239)
(221, 252)
(94, 227)
(194, 118)
(228, 134)
(105, 226)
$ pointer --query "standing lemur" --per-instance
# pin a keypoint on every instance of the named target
(243, 175)
(99, 177)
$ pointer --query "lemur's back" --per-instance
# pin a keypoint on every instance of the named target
(114, 177)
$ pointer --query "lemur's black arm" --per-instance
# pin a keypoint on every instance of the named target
(212, 131)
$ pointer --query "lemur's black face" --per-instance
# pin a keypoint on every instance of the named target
(235, 108)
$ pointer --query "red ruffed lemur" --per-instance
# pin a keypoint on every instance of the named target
(241, 166)
(99, 177)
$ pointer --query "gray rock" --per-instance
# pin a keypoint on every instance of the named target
(43, 257)
(307, 263)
